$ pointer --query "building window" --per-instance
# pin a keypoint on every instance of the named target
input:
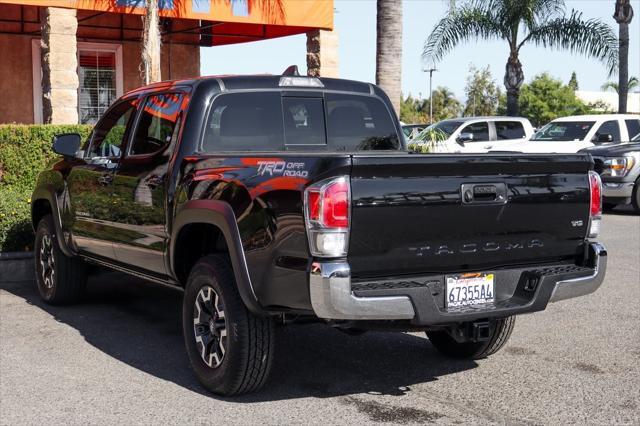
(97, 76)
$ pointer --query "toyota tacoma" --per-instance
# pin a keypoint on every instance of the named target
(276, 199)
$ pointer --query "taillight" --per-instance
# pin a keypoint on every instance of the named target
(327, 207)
(595, 208)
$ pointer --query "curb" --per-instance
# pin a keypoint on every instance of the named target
(16, 266)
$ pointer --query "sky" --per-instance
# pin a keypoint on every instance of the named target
(355, 22)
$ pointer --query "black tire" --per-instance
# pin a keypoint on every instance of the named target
(60, 279)
(243, 365)
(635, 198)
(500, 331)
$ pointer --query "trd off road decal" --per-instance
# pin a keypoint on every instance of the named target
(282, 168)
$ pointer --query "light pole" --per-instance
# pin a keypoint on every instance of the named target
(430, 71)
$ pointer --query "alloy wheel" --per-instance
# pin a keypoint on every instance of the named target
(47, 262)
(210, 326)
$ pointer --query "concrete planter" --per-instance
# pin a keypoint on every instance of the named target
(16, 266)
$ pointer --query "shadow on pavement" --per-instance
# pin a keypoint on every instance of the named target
(625, 210)
(138, 323)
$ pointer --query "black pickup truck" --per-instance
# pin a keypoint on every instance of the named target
(276, 199)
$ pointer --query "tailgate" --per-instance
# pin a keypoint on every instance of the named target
(409, 214)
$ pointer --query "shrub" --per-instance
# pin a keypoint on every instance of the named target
(25, 150)
(15, 222)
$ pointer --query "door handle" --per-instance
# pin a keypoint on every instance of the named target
(105, 179)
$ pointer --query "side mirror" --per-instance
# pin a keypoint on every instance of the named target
(465, 137)
(604, 137)
(66, 144)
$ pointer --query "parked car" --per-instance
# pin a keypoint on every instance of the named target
(573, 133)
(619, 168)
(293, 199)
(475, 134)
(412, 130)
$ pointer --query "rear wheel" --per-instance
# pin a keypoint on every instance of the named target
(229, 348)
(61, 279)
(498, 335)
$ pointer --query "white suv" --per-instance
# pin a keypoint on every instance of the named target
(571, 134)
(476, 134)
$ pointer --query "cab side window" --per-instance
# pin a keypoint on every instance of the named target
(633, 128)
(609, 127)
(157, 124)
(509, 130)
(480, 131)
(110, 132)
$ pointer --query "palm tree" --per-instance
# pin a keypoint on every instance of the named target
(389, 50)
(445, 104)
(521, 22)
(151, 42)
(623, 15)
(632, 83)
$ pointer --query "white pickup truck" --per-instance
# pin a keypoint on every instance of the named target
(475, 134)
(573, 133)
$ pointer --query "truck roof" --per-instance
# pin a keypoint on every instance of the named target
(596, 117)
(488, 118)
(266, 81)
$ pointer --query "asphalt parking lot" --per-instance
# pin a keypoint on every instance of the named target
(119, 358)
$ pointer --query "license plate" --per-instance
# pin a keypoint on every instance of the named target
(469, 289)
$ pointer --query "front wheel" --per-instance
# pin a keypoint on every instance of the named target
(635, 198)
(498, 335)
(61, 279)
(229, 348)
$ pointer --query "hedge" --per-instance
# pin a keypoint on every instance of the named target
(25, 150)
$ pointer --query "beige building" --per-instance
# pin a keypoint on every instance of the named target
(611, 100)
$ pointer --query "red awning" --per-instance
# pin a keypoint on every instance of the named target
(205, 22)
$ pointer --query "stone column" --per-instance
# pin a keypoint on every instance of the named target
(59, 66)
(322, 53)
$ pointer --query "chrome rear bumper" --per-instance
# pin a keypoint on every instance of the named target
(333, 298)
(584, 285)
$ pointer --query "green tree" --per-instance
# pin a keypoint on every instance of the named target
(623, 15)
(412, 110)
(631, 84)
(445, 105)
(482, 92)
(573, 83)
(546, 98)
(521, 22)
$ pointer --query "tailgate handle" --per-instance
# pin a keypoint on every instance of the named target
(483, 193)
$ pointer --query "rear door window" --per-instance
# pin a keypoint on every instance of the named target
(509, 130)
(245, 122)
(610, 127)
(480, 131)
(633, 128)
(157, 124)
(359, 123)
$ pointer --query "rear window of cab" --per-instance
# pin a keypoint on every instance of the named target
(269, 121)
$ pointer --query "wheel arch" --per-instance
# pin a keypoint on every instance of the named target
(43, 202)
(204, 227)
